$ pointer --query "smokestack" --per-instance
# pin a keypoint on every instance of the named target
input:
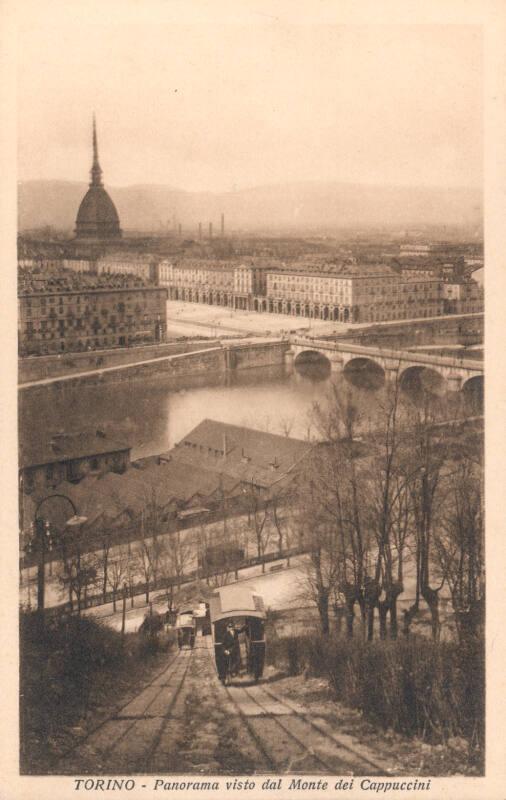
(200, 231)
(224, 445)
(179, 227)
(210, 230)
(222, 224)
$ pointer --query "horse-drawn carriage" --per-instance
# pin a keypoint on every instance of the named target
(238, 629)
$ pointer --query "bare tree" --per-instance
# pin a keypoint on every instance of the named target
(257, 504)
(144, 560)
(78, 575)
(118, 572)
(342, 488)
(459, 547)
(287, 424)
(103, 557)
(321, 541)
(180, 552)
(427, 456)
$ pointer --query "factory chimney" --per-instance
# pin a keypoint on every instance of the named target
(200, 231)
(210, 230)
(222, 225)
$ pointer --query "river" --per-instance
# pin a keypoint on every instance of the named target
(152, 417)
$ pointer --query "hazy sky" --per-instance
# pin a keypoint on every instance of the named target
(213, 107)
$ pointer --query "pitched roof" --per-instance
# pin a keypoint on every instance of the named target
(111, 495)
(50, 449)
(244, 454)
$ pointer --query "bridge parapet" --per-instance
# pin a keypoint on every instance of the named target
(349, 351)
(455, 371)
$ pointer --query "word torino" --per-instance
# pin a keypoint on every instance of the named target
(104, 784)
(128, 784)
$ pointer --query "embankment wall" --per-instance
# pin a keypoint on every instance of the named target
(209, 361)
(39, 367)
(464, 329)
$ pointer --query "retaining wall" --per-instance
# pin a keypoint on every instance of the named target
(40, 367)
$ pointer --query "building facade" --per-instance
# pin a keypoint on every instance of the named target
(327, 294)
(464, 297)
(89, 319)
(138, 264)
(199, 281)
(79, 265)
(45, 463)
(351, 298)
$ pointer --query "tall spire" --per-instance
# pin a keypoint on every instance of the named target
(96, 172)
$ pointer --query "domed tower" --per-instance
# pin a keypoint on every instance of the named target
(97, 219)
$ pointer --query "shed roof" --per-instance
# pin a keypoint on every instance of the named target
(56, 447)
(239, 453)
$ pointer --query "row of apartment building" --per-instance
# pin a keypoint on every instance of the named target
(90, 319)
(354, 297)
(73, 320)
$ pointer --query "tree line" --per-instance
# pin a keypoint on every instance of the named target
(404, 497)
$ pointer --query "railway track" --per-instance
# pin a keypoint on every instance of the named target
(292, 741)
(127, 740)
(150, 733)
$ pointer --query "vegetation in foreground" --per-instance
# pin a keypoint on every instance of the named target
(73, 673)
(415, 687)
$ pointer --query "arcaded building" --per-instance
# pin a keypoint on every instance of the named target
(351, 298)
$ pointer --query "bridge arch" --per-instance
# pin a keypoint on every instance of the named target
(364, 373)
(417, 380)
(473, 393)
(312, 362)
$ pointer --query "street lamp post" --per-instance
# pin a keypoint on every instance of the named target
(40, 543)
(42, 540)
(75, 523)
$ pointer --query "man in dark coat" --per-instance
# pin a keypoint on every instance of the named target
(229, 645)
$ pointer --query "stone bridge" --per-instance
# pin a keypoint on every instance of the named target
(456, 372)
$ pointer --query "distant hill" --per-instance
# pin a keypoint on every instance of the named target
(303, 206)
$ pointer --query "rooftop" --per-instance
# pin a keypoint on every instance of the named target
(49, 449)
(151, 481)
(244, 454)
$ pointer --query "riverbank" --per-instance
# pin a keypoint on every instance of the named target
(213, 358)
(36, 368)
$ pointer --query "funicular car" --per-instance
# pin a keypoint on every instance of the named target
(238, 629)
(201, 614)
(185, 626)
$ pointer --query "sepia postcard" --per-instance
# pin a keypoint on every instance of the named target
(246, 434)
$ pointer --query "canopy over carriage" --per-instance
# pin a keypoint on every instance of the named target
(185, 626)
(243, 608)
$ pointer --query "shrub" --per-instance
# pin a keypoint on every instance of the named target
(68, 668)
(415, 686)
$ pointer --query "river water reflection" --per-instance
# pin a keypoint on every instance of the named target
(152, 417)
